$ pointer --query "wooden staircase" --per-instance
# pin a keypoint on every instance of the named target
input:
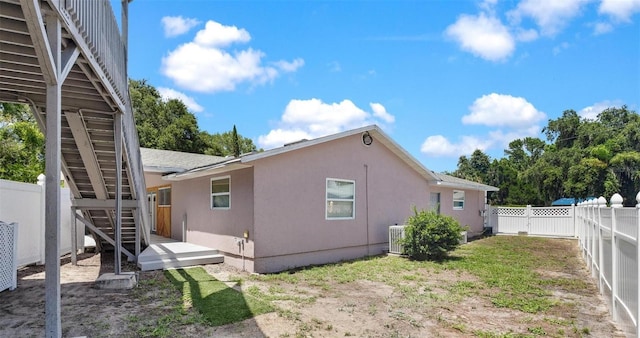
(76, 47)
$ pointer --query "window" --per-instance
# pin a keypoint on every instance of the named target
(340, 199)
(221, 193)
(458, 200)
(164, 197)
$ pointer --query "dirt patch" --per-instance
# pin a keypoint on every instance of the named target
(444, 303)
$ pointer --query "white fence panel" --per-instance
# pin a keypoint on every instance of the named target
(552, 221)
(23, 203)
(609, 244)
(538, 221)
(511, 220)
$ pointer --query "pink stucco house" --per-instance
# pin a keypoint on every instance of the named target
(309, 202)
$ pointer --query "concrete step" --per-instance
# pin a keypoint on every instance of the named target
(180, 262)
(173, 250)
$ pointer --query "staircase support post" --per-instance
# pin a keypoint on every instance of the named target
(118, 233)
(53, 323)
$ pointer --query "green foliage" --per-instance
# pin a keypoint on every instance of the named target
(168, 125)
(429, 235)
(21, 144)
(582, 158)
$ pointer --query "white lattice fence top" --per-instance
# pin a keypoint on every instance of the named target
(510, 211)
(551, 212)
(8, 269)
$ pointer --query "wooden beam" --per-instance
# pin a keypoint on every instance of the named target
(40, 39)
(88, 204)
(53, 322)
(69, 57)
(87, 153)
(104, 236)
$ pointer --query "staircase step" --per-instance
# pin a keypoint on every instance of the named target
(180, 262)
(174, 250)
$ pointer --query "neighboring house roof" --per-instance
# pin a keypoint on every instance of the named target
(456, 182)
(168, 161)
(378, 135)
(569, 201)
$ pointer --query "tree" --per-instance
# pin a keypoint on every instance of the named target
(235, 142)
(21, 144)
(222, 144)
(474, 168)
(163, 124)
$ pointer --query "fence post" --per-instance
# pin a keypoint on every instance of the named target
(41, 182)
(638, 262)
(616, 202)
(602, 202)
(528, 214)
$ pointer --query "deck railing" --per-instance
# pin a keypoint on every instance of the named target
(610, 247)
(99, 28)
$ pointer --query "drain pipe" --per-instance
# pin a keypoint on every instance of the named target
(366, 196)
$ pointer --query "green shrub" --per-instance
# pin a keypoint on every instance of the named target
(429, 235)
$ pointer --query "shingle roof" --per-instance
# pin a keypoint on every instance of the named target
(452, 181)
(167, 161)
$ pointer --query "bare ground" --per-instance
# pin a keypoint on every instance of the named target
(361, 308)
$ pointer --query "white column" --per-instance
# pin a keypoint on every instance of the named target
(53, 325)
(118, 231)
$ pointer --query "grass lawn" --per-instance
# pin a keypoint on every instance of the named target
(495, 287)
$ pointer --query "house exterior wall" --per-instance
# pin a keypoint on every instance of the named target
(289, 210)
(218, 229)
(154, 180)
(470, 215)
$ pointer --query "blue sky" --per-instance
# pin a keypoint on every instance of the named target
(442, 78)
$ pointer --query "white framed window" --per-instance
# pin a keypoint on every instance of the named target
(164, 197)
(458, 200)
(340, 199)
(221, 192)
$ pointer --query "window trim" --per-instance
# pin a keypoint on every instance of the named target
(212, 194)
(159, 197)
(458, 200)
(327, 200)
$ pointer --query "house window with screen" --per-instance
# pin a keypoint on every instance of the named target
(340, 199)
(221, 193)
(164, 198)
(458, 200)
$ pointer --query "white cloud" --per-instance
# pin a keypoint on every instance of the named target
(502, 110)
(526, 35)
(482, 35)
(559, 48)
(177, 25)
(550, 15)
(204, 66)
(314, 118)
(215, 34)
(289, 66)
(380, 112)
(602, 28)
(334, 67)
(621, 10)
(591, 112)
(168, 94)
(440, 146)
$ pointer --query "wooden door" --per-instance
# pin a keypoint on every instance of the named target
(162, 210)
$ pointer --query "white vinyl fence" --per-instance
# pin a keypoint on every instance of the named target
(536, 221)
(23, 203)
(609, 244)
